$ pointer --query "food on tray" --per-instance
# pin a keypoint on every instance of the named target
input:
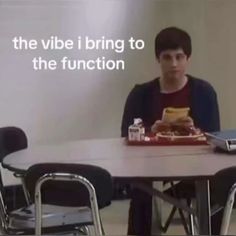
(171, 114)
(176, 122)
(180, 127)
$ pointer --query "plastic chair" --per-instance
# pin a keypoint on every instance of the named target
(223, 194)
(12, 139)
(223, 189)
(93, 191)
(66, 203)
(183, 191)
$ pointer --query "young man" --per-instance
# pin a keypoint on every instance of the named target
(174, 88)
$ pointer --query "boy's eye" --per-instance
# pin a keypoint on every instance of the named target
(167, 57)
(180, 56)
(176, 57)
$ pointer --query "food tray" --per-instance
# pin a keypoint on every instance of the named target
(167, 141)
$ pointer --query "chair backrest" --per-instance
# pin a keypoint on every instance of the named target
(223, 193)
(222, 183)
(11, 139)
(70, 193)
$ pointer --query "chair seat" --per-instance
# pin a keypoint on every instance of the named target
(184, 189)
(52, 216)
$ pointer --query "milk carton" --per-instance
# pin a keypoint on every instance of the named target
(136, 130)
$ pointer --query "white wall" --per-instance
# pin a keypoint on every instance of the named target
(54, 106)
(59, 105)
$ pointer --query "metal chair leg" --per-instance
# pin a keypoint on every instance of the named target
(228, 211)
(191, 225)
(182, 217)
(85, 231)
(102, 228)
(169, 219)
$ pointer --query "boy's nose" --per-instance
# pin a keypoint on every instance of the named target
(174, 62)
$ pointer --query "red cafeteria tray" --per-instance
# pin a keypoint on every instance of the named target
(166, 142)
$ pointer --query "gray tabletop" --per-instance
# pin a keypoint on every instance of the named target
(155, 162)
(159, 162)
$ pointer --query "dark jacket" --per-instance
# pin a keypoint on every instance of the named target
(203, 100)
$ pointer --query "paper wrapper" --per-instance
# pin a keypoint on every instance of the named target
(173, 114)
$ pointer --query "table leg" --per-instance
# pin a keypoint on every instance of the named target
(157, 211)
(161, 195)
(203, 206)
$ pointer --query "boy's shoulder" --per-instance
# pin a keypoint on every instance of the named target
(153, 84)
(199, 83)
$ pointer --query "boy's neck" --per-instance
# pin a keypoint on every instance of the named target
(171, 86)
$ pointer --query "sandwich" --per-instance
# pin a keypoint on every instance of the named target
(171, 114)
(177, 122)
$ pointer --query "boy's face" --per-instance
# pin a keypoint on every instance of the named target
(173, 64)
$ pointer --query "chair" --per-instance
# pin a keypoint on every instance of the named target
(223, 194)
(48, 183)
(223, 189)
(184, 190)
(12, 139)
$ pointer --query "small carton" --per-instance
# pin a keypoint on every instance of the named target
(136, 130)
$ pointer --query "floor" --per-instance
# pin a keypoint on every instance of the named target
(115, 218)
